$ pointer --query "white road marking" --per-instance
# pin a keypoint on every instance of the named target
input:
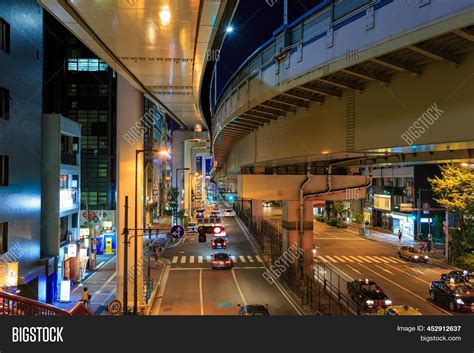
(407, 290)
(353, 269)
(384, 269)
(355, 259)
(364, 259)
(381, 259)
(191, 259)
(175, 259)
(322, 258)
(415, 277)
(201, 297)
(200, 259)
(348, 259)
(183, 259)
(233, 258)
(398, 260)
(258, 258)
(331, 259)
(339, 258)
(250, 258)
(238, 287)
(242, 259)
(389, 259)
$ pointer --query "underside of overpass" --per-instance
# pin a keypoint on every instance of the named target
(412, 104)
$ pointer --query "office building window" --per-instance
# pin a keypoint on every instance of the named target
(3, 237)
(4, 36)
(4, 103)
(75, 64)
(4, 170)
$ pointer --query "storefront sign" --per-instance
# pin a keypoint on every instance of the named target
(406, 207)
(382, 202)
(65, 291)
(12, 274)
(84, 232)
(72, 250)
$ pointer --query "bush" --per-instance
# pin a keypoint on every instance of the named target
(341, 225)
(332, 222)
(465, 262)
(320, 218)
(357, 218)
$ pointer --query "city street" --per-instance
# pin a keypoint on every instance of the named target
(353, 257)
(191, 287)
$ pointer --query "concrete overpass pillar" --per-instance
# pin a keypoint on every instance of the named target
(257, 213)
(293, 238)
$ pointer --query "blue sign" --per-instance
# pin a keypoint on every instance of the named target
(177, 231)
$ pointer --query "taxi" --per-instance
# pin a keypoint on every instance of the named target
(399, 310)
(412, 253)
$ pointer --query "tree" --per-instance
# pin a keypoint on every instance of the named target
(454, 191)
(339, 209)
(172, 208)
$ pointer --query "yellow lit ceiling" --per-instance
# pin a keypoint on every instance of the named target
(160, 46)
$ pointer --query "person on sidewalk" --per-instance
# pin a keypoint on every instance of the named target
(399, 235)
(86, 297)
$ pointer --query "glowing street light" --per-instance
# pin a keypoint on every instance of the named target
(165, 16)
(229, 29)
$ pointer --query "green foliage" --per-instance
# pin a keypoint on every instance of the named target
(332, 222)
(437, 229)
(358, 218)
(465, 262)
(320, 218)
(341, 225)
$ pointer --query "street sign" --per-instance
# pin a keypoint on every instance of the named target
(177, 231)
(114, 307)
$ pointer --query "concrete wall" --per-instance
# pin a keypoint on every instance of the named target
(20, 137)
(130, 109)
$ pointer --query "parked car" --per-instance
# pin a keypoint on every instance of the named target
(229, 212)
(456, 296)
(221, 261)
(192, 227)
(457, 277)
(368, 294)
(412, 253)
(254, 310)
(399, 310)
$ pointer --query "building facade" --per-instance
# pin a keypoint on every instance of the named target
(21, 60)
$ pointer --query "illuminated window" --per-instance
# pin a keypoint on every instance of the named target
(4, 36)
(90, 65)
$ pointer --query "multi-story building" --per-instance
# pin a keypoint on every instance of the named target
(21, 60)
(60, 199)
(81, 87)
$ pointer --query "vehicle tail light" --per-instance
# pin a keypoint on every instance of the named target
(227, 261)
(215, 262)
(217, 230)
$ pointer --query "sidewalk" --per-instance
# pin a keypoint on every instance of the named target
(101, 285)
(436, 255)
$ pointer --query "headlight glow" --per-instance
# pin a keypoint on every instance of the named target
(415, 257)
(459, 301)
(388, 302)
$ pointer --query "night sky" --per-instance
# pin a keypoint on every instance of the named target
(254, 23)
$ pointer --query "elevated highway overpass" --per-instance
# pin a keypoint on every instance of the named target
(381, 82)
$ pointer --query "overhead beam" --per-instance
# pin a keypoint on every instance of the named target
(239, 125)
(367, 75)
(253, 118)
(248, 123)
(281, 107)
(305, 98)
(398, 66)
(464, 34)
(294, 104)
(266, 110)
(239, 128)
(260, 114)
(321, 91)
(342, 84)
(434, 54)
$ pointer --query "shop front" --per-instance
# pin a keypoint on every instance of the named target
(405, 223)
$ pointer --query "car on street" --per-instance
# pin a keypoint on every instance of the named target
(267, 204)
(221, 261)
(367, 294)
(412, 253)
(219, 243)
(456, 277)
(229, 212)
(192, 227)
(399, 310)
(216, 230)
(456, 296)
(254, 310)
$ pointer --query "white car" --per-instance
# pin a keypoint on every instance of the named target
(192, 227)
(229, 213)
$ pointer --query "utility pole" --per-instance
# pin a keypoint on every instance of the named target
(446, 240)
(285, 12)
(125, 259)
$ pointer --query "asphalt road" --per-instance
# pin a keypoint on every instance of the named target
(191, 287)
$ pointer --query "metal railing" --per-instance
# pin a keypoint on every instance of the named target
(312, 26)
(15, 305)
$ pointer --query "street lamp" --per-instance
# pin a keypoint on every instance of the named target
(177, 188)
(162, 152)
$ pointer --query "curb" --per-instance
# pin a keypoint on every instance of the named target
(166, 262)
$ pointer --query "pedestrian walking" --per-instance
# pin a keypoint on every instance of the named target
(429, 245)
(86, 297)
(399, 235)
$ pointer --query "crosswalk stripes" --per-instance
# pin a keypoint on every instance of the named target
(193, 259)
(367, 259)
